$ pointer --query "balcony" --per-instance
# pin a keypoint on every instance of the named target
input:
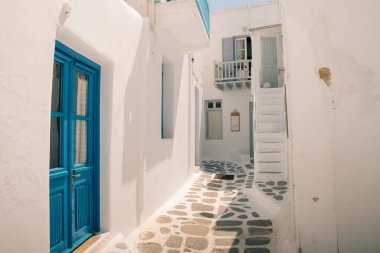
(233, 74)
(188, 21)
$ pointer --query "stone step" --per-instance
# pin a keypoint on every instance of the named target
(270, 167)
(270, 91)
(270, 109)
(269, 96)
(271, 157)
(270, 137)
(270, 101)
(270, 127)
(270, 119)
(267, 176)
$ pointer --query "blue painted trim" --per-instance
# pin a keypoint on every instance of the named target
(204, 10)
(162, 100)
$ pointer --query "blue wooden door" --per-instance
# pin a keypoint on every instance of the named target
(74, 150)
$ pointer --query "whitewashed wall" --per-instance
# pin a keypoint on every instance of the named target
(334, 130)
(135, 162)
(229, 23)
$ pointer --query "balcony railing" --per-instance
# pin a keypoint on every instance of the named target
(204, 10)
(233, 71)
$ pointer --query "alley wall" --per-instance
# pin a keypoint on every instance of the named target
(334, 120)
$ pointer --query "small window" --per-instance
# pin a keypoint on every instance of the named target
(214, 129)
(167, 102)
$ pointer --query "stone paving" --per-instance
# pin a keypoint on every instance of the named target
(214, 216)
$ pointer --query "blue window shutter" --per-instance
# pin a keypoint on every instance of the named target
(228, 49)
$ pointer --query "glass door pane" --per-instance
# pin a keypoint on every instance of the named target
(57, 87)
(81, 94)
(80, 149)
(55, 143)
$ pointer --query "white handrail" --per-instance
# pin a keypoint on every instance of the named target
(233, 70)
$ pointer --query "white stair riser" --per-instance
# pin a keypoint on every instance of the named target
(263, 157)
(270, 127)
(270, 119)
(270, 137)
(270, 177)
(270, 109)
(270, 147)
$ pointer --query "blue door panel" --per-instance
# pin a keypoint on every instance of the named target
(74, 188)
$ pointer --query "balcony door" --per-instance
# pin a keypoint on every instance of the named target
(74, 150)
(269, 62)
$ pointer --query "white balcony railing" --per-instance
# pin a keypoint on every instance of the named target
(233, 71)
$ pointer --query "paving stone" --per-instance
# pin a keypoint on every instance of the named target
(267, 190)
(229, 250)
(213, 185)
(270, 193)
(173, 251)
(271, 183)
(230, 231)
(282, 183)
(283, 192)
(278, 197)
(254, 214)
(202, 221)
(226, 242)
(260, 223)
(226, 199)
(204, 215)
(146, 235)
(257, 241)
(174, 241)
(195, 230)
(280, 188)
(201, 207)
(149, 247)
(210, 194)
(196, 243)
(164, 230)
(222, 209)
(236, 209)
(243, 200)
(228, 223)
(243, 216)
(259, 231)
(227, 215)
(256, 250)
(209, 201)
(164, 219)
(180, 207)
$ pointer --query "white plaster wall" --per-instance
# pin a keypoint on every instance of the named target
(233, 144)
(229, 23)
(334, 130)
(135, 162)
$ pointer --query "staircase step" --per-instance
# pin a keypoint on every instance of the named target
(270, 119)
(270, 101)
(270, 127)
(270, 109)
(269, 96)
(262, 147)
(270, 137)
(270, 177)
(271, 167)
(270, 157)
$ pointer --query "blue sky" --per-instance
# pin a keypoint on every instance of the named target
(221, 4)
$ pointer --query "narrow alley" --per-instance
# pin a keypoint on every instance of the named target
(214, 213)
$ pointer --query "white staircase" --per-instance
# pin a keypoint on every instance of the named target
(270, 135)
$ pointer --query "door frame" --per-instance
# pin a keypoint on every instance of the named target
(72, 58)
